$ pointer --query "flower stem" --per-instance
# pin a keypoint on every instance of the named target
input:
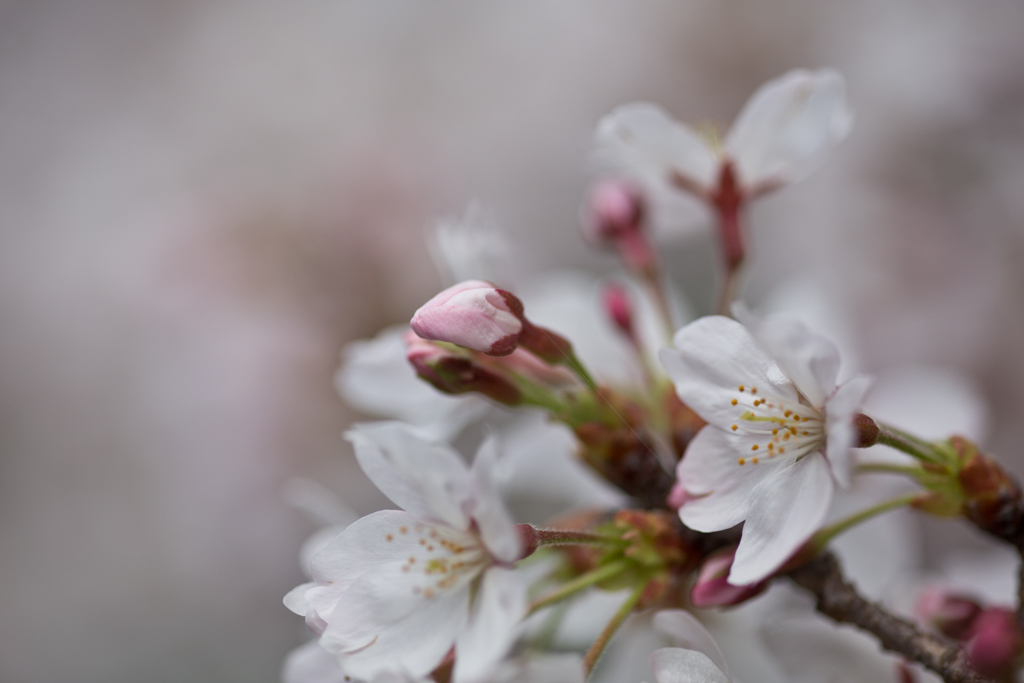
(568, 537)
(909, 470)
(821, 539)
(656, 290)
(582, 581)
(907, 443)
(627, 607)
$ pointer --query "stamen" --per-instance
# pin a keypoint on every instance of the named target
(742, 461)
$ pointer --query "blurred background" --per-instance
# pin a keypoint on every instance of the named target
(201, 202)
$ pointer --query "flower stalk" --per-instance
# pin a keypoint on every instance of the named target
(627, 607)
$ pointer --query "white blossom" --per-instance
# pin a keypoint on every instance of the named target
(397, 589)
(778, 434)
(781, 134)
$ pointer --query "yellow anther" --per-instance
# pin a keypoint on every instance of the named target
(754, 460)
(741, 388)
(754, 447)
(734, 401)
(753, 390)
(742, 461)
(734, 428)
(788, 413)
(775, 431)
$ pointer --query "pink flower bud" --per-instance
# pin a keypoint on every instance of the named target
(619, 308)
(993, 642)
(950, 614)
(711, 588)
(613, 209)
(454, 373)
(473, 314)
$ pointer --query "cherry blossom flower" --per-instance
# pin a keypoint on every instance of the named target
(784, 130)
(777, 438)
(397, 589)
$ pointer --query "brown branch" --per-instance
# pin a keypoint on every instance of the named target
(839, 600)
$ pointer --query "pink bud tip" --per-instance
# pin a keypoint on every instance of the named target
(713, 590)
(677, 497)
(613, 209)
(993, 642)
(474, 314)
(619, 308)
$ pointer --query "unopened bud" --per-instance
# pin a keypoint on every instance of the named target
(452, 373)
(474, 314)
(950, 614)
(613, 209)
(993, 642)
(619, 308)
(713, 590)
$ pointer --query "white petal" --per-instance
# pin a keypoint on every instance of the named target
(709, 469)
(787, 127)
(676, 665)
(807, 358)
(497, 530)
(689, 633)
(296, 600)
(494, 624)
(785, 510)
(712, 357)
(839, 426)
(428, 480)
(471, 247)
(415, 644)
(642, 139)
(310, 663)
(376, 378)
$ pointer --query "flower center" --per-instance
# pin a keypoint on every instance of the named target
(441, 558)
(780, 427)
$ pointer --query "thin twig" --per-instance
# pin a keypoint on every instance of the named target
(839, 600)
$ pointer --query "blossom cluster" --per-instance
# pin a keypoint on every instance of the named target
(684, 465)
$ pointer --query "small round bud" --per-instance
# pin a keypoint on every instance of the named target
(613, 209)
(712, 588)
(951, 614)
(993, 642)
(474, 314)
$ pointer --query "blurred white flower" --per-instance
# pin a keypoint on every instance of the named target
(782, 133)
(472, 247)
(376, 378)
(699, 660)
(778, 434)
(396, 590)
